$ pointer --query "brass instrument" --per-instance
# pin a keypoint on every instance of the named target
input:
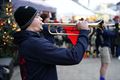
(70, 25)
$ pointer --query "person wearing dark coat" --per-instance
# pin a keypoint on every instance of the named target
(117, 40)
(38, 57)
(117, 37)
(104, 39)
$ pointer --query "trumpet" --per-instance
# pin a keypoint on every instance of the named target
(69, 25)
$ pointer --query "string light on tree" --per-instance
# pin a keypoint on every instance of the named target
(7, 28)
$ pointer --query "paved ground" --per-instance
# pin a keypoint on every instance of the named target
(88, 69)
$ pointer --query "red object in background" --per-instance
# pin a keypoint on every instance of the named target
(116, 17)
(55, 21)
(72, 30)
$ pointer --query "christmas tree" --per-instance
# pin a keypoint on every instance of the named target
(7, 28)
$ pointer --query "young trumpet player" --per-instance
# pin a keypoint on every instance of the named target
(38, 57)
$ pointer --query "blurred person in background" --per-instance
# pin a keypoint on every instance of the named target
(117, 37)
(117, 42)
(104, 35)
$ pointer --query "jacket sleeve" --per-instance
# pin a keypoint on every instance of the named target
(46, 52)
(108, 33)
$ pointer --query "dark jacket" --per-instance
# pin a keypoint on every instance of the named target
(104, 37)
(47, 35)
(117, 37)
(38, 57)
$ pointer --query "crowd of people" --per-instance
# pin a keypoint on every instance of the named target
(111, 35)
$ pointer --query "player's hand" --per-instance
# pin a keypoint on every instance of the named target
(82, 25)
